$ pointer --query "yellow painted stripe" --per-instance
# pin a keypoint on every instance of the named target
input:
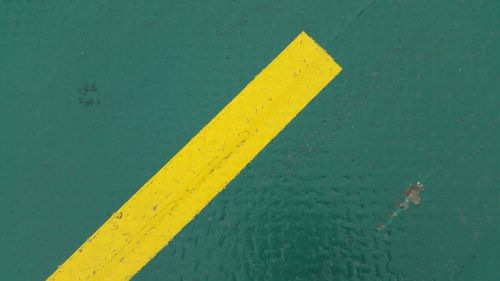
(193, 177)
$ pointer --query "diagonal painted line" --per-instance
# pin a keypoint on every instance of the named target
(204, 166)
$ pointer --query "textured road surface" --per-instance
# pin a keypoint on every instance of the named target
(96, 96)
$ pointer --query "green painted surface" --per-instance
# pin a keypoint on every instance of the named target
(96, 96)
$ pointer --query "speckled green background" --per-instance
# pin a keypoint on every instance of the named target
(95, 96)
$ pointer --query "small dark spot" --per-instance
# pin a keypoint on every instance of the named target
(87, 102)
(89, 88)
(88, 95)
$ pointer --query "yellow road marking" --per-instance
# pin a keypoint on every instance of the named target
(201, 169)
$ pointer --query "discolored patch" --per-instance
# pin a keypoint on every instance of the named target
(410, 196)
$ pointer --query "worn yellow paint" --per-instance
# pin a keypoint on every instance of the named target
(193, 177)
